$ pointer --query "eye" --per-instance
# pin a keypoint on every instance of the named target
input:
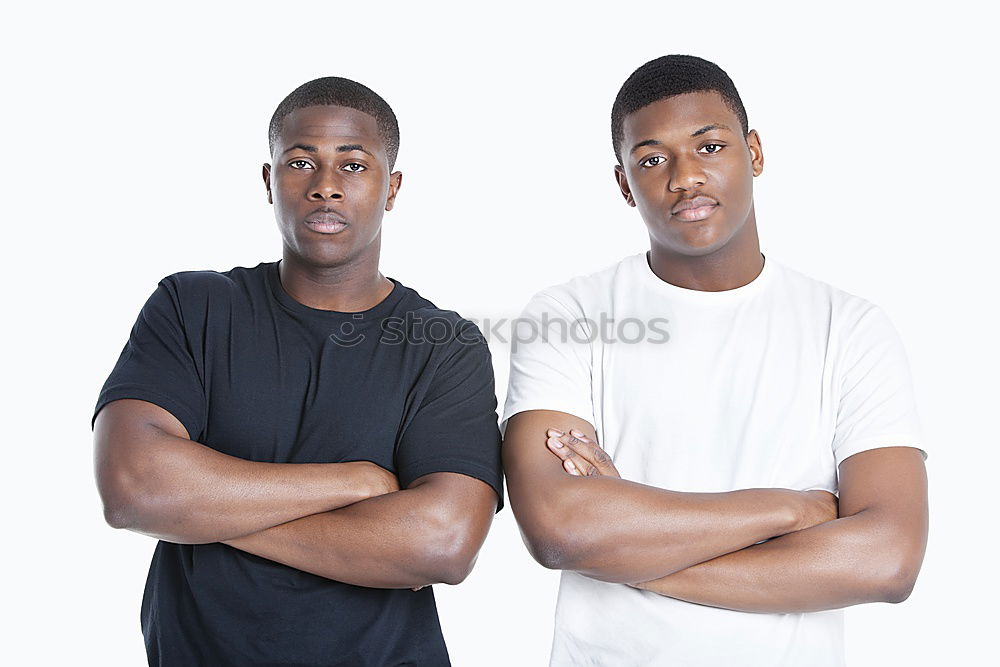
(300, 164)
(354, 167)
(715, 148)
(653, 161)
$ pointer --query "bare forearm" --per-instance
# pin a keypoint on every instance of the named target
(624, 532)
(182, 491)
(836, 564)
(405, 539)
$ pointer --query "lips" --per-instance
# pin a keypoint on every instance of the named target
(326, 221)
(694, 209)
(325, 217)
(697, 202)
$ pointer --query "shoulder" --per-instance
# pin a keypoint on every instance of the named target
(845, 308)
(199, 287)
(854, 324)
(196, 299)
(422, 321)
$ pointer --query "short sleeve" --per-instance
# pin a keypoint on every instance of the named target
(454, 428)
(157, 364)
(877, 407)
(550, 361)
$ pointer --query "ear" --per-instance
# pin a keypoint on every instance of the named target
(756, 153)
(395, 183)
(267, 181)
(623, 185)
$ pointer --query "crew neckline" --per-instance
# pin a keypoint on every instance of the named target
(735, 295)
(290, 303)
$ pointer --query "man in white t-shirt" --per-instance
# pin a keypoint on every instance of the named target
(677, 424)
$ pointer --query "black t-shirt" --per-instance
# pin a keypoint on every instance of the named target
(253, 373)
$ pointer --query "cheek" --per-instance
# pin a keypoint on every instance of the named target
(735, 182)
(647, 189)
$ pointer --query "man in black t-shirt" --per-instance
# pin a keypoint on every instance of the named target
(312, 443)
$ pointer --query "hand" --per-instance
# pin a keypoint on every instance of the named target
(372, 480)
(818, 507)
(581, 456)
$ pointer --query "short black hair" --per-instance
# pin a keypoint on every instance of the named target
(340, 92)
(665, 77)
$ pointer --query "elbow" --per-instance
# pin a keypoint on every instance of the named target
(902, 565)
(116, 516)
(551, 553)
(897, 587)
(451, 552)
(127, 503)
(117, 499)
(553, 547)
(453, 556)
(552, 539)
(898, 593)
(454, 569)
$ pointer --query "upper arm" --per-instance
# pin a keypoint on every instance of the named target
(464, 501)
(549, 387)
(457, 511)
(888, 485)
(123, 431)
(158, 364)
(550, 360)
(535, 476)
(526, 459)
(876, 405)
(454, 428)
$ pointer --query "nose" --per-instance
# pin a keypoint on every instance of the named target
(687, 174)
(326, 185)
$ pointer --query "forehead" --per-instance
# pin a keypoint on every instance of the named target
(681, 115)
(320, 124)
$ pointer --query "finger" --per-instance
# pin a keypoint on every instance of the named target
(577, 452)
(565, 454)
(594, 454)
(571, 468)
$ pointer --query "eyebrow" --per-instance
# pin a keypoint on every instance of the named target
(647, 142)
(700, 131)
(343, 148)
(709, 128)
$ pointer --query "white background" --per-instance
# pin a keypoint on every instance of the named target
(133, 144)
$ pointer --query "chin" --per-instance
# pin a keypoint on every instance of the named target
(696, 241)
(693, 245)
(695, 251)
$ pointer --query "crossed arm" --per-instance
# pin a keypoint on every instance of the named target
(871, 553)
(344, 521)
(702, 547)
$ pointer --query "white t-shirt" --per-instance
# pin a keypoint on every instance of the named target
(772, 384)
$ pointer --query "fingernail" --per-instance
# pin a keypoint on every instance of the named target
(577, 433)
(556, 431)
(571, 466)
(555, 443)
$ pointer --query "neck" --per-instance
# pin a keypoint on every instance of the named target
(734, 265)
(349, 288)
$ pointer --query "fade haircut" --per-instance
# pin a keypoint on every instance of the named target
(668, 76)
(340, 92)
